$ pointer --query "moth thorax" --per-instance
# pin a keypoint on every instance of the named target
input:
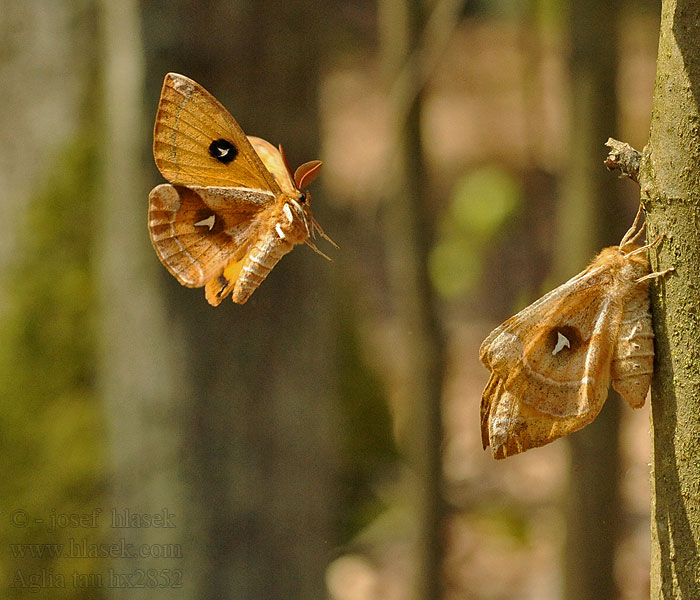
(635, 266)
(624, 271)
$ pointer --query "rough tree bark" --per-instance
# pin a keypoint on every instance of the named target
(670, 182)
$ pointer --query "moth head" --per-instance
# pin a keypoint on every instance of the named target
(304, 176)
(300, 199)
(628, 248)
(302, 204)
(636, 257)
(633, 251)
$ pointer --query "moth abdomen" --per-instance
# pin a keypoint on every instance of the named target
(260, 261)
(633, 360)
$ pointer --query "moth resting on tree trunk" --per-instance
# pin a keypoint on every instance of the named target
(551, 364)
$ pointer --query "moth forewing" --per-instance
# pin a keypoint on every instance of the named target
(197, 142)
(584, 279)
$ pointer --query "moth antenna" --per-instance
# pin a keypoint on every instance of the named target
(628, 237)
(322, 233)
(311, 245)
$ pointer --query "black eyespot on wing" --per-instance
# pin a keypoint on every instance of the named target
(570, 344)
(223, 150)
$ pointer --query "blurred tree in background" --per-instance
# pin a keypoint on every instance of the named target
(409, 231)
(590, 217)
(141, 373)
(52, 459)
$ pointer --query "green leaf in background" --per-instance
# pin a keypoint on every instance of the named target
(454, 268)
(51, 427)
(483, 201)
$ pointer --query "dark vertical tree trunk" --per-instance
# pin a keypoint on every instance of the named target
(258, 447)
(670, 182)
(592, 216)
(409, 233)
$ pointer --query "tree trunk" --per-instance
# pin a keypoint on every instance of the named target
(138, 374)
(409, 233)
(45, 84)
(670, 182)
(591, 216)
(258, 445)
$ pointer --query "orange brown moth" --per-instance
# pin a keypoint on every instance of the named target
(232, 208)
(551, 364)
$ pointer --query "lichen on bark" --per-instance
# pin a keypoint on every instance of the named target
(670, 182)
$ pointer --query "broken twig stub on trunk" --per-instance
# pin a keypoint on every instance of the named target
(624, 158)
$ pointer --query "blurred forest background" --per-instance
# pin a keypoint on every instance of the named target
(321, 441)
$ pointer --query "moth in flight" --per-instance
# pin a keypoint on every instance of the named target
(232, 207)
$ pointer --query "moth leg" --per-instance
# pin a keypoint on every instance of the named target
(311, 245)
(217, 288)
(317, 227)
(656, 274)
(646, 246)
(630, 236)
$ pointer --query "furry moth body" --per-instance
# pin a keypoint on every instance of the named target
(551, 364)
